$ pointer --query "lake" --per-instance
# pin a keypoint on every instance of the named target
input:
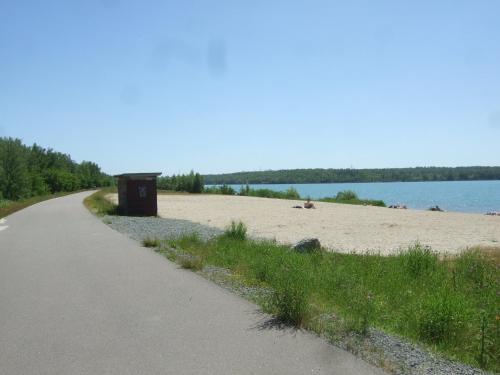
(462, 196)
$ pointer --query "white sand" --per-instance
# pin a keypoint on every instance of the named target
(338, 226)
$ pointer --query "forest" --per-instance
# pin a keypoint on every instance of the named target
(27, 171)
(303, 176)
(191, 183)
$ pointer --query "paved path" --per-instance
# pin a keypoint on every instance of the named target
(78, 298)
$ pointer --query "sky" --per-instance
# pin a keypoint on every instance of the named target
(226, 86)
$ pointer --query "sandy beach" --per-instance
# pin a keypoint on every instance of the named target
(339, 227)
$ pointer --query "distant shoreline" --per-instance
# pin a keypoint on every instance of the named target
(353, 182)
(321, 175)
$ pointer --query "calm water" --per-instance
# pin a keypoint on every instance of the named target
(464, 196)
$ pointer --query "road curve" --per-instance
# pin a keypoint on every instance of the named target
(77, 297)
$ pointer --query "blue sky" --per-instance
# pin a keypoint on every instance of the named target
(221, 86)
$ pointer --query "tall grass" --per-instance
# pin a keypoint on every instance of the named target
(236, 231)
(450, 304)
(99, 205)
(8, 207)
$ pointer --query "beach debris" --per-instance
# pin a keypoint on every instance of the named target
(398, 206)
(436, 208)
(297, 207)
(309, 204)
(493, 213)
(307, 245)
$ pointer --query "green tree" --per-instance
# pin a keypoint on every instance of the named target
(14, 179)
(197, 183)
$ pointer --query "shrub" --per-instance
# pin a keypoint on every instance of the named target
(441, 318)
(346, 195)
(224, 190)
(236, 231)
(419, 260)
(244, 190)
(292, 193)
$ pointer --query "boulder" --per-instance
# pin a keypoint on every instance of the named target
(307, 245)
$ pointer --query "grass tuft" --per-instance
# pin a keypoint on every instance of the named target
(418, 260)
(236, 231)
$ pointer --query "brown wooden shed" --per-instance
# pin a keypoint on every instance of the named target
(137, 194)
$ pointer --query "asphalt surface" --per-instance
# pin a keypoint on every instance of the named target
(77, 297)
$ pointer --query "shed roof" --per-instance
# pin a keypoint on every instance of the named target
(138, 175)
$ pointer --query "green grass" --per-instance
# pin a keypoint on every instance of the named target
(236, 231)
(99, 205)
(9, 207)
(450, 305)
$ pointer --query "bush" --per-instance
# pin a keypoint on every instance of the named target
(289, 299)
(224, 190)
(292, 193)
(236, 231)
(346, 195)
(419, 260)
(441, 318)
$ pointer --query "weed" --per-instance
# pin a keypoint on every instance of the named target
(290, 298)
(442, 317)
(236, 231)
(474, 268)
(419, 260)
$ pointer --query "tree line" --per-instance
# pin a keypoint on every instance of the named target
(27, 171)
(191, 183)
(299, 176)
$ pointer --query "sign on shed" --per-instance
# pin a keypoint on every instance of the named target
(137, 194)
